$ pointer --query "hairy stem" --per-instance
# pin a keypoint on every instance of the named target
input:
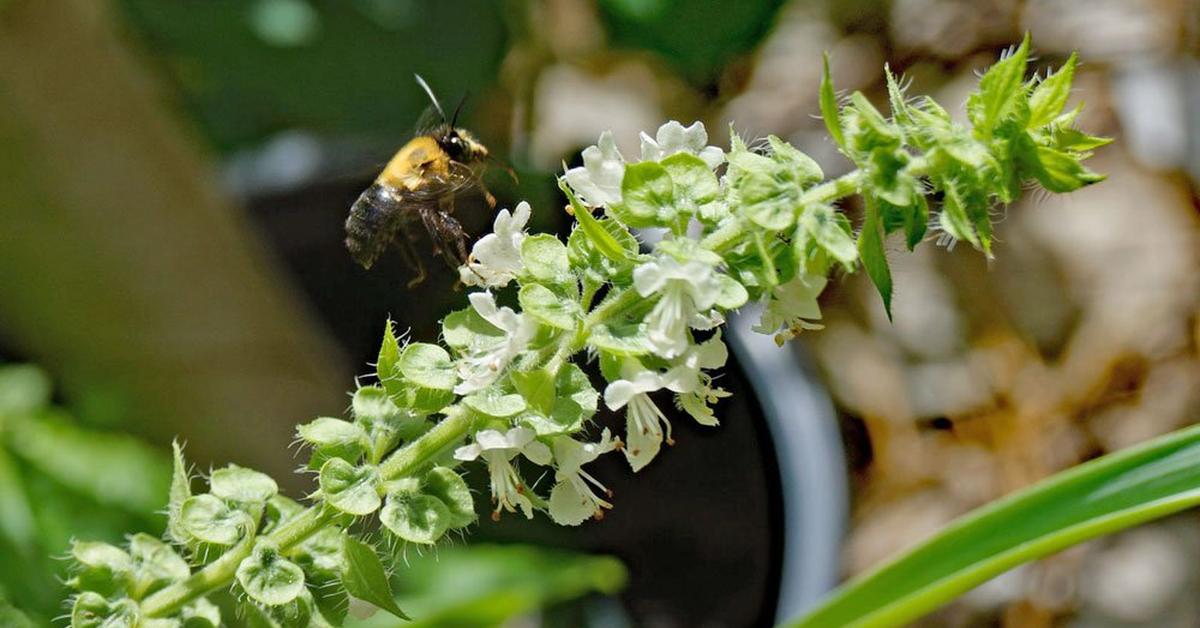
(215, 575)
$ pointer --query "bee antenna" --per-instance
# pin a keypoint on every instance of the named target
(461, 102)
(437, 105)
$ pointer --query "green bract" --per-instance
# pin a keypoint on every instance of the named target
(509, 386)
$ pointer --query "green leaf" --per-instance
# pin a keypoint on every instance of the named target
(428, 366)
(1050, 96)
(584, 255)
(874, 260)
(352, 490)
(461, 327)
(155, 564)
(490, 402)
(1059, 172)
(209, 519)
(829, 106)
(418, 518)
(953, 218)
(900, 110)
(181, 490)
(333, 438)
(269, 578)
(101, 567)
(545, 258)
(1001, 92)
(549, 308)
(647, 196)
(767, 201)
(1111, 493)
(821, 223)
(364, 577)
(389, 355)
(448, 486)
(800, 167)
(733, 294)
(695, 185)
(242, 485)
(597, 235)
(575, 400)
(537, 387)
(91, 610)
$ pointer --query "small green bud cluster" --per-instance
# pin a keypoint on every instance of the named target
(506, 385)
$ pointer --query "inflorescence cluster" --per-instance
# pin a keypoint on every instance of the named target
(505, 386)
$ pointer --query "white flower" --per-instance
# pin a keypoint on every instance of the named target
(496, 258)
(572, 500)
(499, 449)
(487, 356)
(688, 292)
(698, 392)
(598, 180)
(791, 307)
(673, 138)
(644, 422)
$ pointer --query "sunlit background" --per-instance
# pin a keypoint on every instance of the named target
(173, 180)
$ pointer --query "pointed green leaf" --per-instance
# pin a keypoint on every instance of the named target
(600, 238)
(874, 259)
(829, 106)
(364, 577)
(389, 354)
(1001, 91)
(896, 98)
(1059, 172)
(1050, 96)
(820, 222)
(181, 489)
(801, 168)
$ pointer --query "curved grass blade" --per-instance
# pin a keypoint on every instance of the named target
(1111, 493)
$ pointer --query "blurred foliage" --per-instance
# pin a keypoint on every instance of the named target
(487, 585)
(59, 481)
(329, 67)
(698, 37)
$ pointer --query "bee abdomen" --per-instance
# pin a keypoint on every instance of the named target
(372, 223)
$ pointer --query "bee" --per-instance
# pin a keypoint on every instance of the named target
(418, 184)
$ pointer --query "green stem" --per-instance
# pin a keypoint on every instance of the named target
(413, 456)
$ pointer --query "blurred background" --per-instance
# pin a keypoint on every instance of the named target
(174, 176)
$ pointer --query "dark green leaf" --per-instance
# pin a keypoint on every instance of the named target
(364, 577)
(1059, 172)
(448, 486)
(874, 260)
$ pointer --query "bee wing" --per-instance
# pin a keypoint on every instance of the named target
(458, 176)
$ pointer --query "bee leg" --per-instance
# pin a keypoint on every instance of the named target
(448, 236)
(404, 244)
(487, 194)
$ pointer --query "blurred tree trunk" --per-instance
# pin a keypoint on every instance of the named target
(121, 267)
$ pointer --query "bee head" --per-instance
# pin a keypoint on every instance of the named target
(462, 146)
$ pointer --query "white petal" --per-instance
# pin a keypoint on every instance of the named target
(713, 156)
(570, 507)
(618, 393)
(650, 148)
(672, 138)
(640, 447)
(650, 277)
(488, 440)
(468, 452)
(537, 452)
